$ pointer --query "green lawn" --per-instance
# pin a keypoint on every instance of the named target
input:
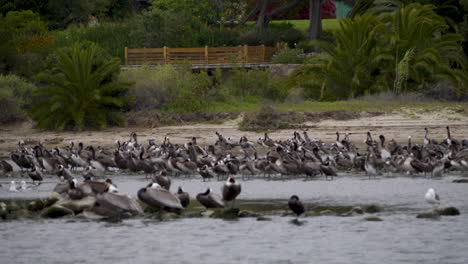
(328, 25)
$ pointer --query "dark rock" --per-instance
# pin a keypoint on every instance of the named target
(226, 214)
(311, 213)
(19, 214)
(372, 209)
(428, 215)
(358, 210)
(248, 214)
(372, 218)
(12, 206)
(207, 213)
(448, 211)
(193, 214)
(327, 212)
(78, 206)
(263, 218)
(56, 211)
(35, 206)
(460, 181)
(52, 199)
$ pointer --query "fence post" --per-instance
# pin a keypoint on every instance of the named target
(263, 53)
(165, 54)
(278, 46)
(126, 55)
(246, 53)
(206, 54)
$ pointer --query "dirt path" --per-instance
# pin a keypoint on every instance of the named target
(396, 125)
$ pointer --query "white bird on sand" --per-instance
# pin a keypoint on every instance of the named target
(432, 197)
(13, 187)
(23, 186)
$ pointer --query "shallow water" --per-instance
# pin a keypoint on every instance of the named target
(399, 238)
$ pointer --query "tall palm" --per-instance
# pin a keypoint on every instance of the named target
(420, 44)
(352, 65)
(82, 91)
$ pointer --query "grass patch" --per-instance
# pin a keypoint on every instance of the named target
(251, 104)
(328, 25)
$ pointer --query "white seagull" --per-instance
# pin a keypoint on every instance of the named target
(432, 197)
(13, 187)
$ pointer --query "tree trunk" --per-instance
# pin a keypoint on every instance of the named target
(315, 12)
(262, 23)
(264, 18)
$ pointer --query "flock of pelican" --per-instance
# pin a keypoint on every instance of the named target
(298, 156)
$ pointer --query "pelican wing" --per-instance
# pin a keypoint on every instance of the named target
(159, 197)
(119, 202)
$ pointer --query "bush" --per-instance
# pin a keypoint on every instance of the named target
(15, 98)
(289, 56)
(271, 36)
(256, 82)
(169, 87)
(82, 90)
(112, 37)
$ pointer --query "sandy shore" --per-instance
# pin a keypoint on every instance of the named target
(393, 125)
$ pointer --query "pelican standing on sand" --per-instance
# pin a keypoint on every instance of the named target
(230, 190)
(432, 197)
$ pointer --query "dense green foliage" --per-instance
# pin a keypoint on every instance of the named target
(15, 97)
(405, 50)
(169, 88)
(82, 90)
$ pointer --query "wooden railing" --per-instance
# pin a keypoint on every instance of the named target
(205, 55)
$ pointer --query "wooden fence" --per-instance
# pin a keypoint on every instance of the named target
(205, 55)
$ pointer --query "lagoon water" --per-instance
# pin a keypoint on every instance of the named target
(399, 238)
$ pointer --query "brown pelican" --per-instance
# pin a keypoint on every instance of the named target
(75, 193)
(163, 180)
(62, 171)
(62, 186)
(36, 175)
(230, 190)
(101, 187)
(296, 205)
(184, 197)
(156, 196)
(210, 199)
(108, 203)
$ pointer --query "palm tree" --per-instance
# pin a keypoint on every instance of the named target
(422, 49)
(82, 91)
(352, 65)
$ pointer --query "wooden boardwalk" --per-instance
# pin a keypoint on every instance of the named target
(202, 58)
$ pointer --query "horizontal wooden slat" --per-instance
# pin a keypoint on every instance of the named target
(204, 55)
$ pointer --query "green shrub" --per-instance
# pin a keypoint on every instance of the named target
(112, 37)
(171, 88)
(289, 56)
(271, 36)
(256, 82)
(15, 97)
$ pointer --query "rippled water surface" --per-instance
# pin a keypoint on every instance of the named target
(399, 238)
